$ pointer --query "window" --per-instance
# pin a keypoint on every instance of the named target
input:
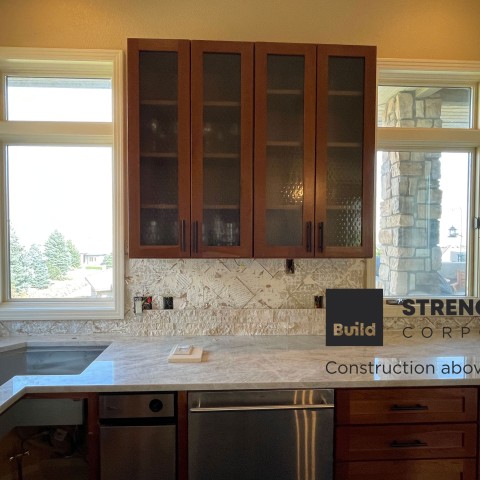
(427, 179)
(61, 216)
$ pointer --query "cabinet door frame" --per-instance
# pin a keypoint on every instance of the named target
(245, 50)
(136, 249)
(261, 248)
(365, 250)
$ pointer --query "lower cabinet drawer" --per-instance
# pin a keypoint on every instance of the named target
(396, 442)
(449, 469)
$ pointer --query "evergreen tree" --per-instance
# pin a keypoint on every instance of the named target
(59, 260)
(38, 267)
(19, 270)
(74, 254)
(107, 261)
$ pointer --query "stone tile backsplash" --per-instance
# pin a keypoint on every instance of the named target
(228, 297)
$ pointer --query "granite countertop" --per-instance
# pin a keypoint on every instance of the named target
(249, 362)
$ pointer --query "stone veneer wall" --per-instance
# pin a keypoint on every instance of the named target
(410, 257)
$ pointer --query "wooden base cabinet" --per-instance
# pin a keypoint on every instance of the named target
(406, 433)
(448, 469)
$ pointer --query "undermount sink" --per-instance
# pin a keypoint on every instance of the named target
(47, 360)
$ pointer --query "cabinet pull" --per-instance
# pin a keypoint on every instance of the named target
(183, 243)
(309, 236)
(195, 237)
(409, 444)
(408, 408)
(320, 236)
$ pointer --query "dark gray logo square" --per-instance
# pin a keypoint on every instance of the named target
(354, 317)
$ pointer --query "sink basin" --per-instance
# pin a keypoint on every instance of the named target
(47, 360)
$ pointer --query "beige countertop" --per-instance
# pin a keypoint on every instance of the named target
(253, 362)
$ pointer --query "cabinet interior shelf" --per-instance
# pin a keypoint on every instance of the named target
(285, 207)
(221, 207)
(345, 93)
(344, 145)
(274, 143)
(284, 91)
(159, 206)
(161, 103)
(221, 155)
(158, 154)
(221, 103)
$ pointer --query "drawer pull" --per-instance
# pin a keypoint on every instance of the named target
(408, 408)
(414, 443)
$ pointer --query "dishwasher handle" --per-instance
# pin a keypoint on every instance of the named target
(252, 408)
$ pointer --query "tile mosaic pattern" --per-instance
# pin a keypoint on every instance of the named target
(229, 297)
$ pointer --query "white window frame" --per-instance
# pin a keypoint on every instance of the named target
(437, 73)
(68, 63)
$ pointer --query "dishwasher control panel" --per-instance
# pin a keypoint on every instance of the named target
(137, 405)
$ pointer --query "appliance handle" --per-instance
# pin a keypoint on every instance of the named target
(322, 406)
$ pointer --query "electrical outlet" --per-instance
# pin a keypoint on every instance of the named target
(168, 303)
(142, 303)
(289, 266)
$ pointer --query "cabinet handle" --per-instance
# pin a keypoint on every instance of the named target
(309, 236)
(183, 243)
(409, 444)
(195, 237)
(320, 236)
(408, 408)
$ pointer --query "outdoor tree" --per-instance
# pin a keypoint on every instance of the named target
(59, 260)
(38, 267)
(107, 261)
(19, 268)
(74, 254)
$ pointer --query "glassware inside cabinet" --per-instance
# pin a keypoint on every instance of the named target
(221, 149)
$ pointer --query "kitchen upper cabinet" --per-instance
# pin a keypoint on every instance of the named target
(190, 148)
(159, 148)
(222, 135)
(314, 150)
(225, 162)
(285, 93)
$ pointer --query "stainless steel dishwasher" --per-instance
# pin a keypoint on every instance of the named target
(137, 436)
(260, 435)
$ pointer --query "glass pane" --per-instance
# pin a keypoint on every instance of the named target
(345, 154)
(159, 148)
(285, 127)
(59, 99)
(159, 201)
(344, 197)
(424, 107)
(422, 226)
(221, 149)
(60, 211)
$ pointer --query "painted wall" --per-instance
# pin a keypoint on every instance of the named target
(434, 29)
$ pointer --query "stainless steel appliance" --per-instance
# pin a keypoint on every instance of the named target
(137, 436)
(261, 435)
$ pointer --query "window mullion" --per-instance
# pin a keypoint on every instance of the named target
(90, 133)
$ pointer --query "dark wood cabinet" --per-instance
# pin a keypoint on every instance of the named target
(190, 148)
(314, 150)
(227, 163)
(407, 433)
(222, 136)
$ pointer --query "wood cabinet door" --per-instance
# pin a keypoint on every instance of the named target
(222, 149)
(407, 442)
(405, 405)
(346, 100)
(159, 148)
(284, 155)
(449, 469)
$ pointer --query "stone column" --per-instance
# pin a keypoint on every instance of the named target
(410, 257)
